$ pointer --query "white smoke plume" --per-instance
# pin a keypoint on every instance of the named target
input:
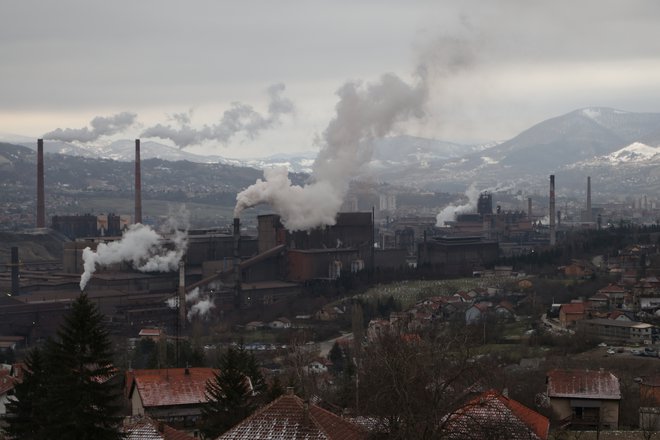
(144, 248)
(101, 126)
(201, 308)
(364, 113)
(201, 304)
(450, 212)
(239, 118)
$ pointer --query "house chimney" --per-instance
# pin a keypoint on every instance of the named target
(15, 277)
(551, 211)
(589, 218)
(41, 203)
(182, 296)
(529, 208)
(138, 184)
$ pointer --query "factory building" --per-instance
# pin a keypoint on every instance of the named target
(458, 256)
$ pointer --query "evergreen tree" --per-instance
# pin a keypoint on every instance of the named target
(65, 393)
(84, 404)
(237, 389)
(28, 413)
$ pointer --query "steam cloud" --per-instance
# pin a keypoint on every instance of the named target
(200, 307)
(364, 113)
(450, 212)
(141, 246)
(239, 118)
(101, 126)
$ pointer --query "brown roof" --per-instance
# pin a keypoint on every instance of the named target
(286, 419)
(573, 308)
(583, 384)
(492, 410)
(172, 386)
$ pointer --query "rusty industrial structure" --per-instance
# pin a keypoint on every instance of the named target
(234, 270)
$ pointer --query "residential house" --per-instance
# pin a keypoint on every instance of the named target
(254, 326)
(584, 399)
(8, 379)
(570, 313)
(616, 295)
(504, 311)
(290, 417)
(494, 415)
(172, 395)
(578, 269)
(280, 323)
(477, 312)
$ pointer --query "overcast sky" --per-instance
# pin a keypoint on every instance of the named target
(499, 66)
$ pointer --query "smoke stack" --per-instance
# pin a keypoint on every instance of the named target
(41, 203)
(182, 296)
(558, 219)
(138, 184)
(15, 277)
(529, 208)
(237, 243)
(589, 218)
(551, 211)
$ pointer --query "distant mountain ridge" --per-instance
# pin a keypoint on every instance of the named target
(607, 143)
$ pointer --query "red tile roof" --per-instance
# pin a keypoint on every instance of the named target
(172, 386)
(583, 384)
(573, 308)
(493, 411)
(286, 419)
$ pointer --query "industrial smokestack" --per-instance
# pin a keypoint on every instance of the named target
(41, 201)
(529, 208)
(138, 184)
(237, 243)
(15, 277)
(558, 219)
(551, 211)
(589, 215)
(182, 296)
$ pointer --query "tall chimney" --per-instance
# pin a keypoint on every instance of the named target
(529, 208)
(182, 297)
(551, 211)
(589, 216)
(138, 184)
(15, 277)
(41, 201)
(237, 258)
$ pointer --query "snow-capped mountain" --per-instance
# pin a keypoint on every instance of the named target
(636, 152)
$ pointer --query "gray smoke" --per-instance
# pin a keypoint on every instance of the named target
(239, 118)
(146, 249)
(364, 113)
(101, 126)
